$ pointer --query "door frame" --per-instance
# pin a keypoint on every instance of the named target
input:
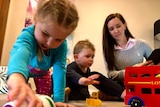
(4, 8)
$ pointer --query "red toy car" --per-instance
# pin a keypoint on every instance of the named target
(142, 86)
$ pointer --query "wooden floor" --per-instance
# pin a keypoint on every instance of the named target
(104, 104)
(77, 103)
(3, 99)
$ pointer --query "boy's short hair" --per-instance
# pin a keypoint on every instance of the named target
(81, 45)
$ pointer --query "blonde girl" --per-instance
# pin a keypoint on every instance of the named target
(39, 47)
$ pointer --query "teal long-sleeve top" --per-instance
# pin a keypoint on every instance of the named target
(24, 54)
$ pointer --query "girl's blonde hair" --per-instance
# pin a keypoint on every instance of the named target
(62, 12)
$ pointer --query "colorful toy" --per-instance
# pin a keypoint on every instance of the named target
(47, 102)
(94, 100)
(142, 86)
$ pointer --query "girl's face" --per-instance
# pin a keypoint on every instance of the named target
(49, 34)
(85, 57)
(116, 28)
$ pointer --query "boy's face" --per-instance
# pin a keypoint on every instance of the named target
(49, 34)
(85, 57)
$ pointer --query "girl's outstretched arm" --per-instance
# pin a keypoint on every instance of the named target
(19, 91)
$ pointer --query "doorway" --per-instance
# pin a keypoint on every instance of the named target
(4, 8)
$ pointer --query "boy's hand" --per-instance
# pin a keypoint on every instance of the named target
(90, 80)
(19, 92)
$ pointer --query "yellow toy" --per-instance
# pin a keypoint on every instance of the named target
(94, 100)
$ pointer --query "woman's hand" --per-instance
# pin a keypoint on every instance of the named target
(19, 92)
(147, 63)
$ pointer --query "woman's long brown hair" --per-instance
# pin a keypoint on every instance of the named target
(108, 41)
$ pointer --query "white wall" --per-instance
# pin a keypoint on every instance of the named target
(139, 14)
(15, 23)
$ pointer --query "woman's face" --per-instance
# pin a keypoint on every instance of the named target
(49, 34)
(116, 28)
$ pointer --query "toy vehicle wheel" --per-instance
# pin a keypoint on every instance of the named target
(136, 103)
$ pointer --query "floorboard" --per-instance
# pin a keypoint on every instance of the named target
(3, 99)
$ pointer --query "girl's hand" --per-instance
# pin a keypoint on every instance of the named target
(19, 92)
(60, 104)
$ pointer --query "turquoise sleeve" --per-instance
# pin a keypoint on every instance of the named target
(59, 73)
(20, 55)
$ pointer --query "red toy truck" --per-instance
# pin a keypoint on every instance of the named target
(142, 86)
